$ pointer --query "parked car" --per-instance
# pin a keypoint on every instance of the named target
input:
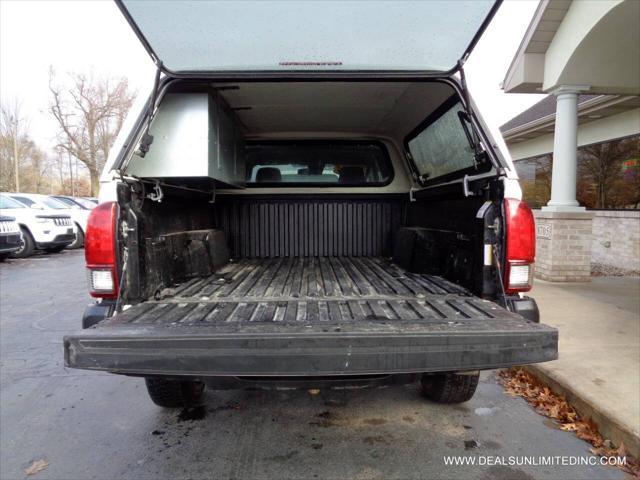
(75, 202)
(86, 203)
(327, 207)
(41, 229)
(10, 237)
(78, 214)
(93, 200)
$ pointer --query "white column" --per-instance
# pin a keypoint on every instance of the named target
(565, 151)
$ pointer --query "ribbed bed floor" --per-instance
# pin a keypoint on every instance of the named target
(311, 290)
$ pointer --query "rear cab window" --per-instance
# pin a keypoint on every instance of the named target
(319, 164)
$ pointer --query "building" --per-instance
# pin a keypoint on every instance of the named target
(608, 151)
(586, 56)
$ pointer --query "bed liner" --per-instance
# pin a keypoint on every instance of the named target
(310, 290)
(311, 316)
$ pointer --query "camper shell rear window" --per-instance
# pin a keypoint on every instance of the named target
(317, 164)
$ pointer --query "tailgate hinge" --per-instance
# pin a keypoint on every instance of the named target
(498, 265)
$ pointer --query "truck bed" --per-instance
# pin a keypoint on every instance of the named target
(302, 316)
(310, 290)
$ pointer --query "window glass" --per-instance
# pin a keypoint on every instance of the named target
(6, 202)
(608, 175)
(318, 164)
(88, 204)
(55, 204)
(442, 147)
(25, 201)
(67, 201)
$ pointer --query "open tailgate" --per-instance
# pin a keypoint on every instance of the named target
(407, 323)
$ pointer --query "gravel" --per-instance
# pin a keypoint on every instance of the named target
(601, 270)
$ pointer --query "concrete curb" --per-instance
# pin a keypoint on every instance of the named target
(610, 427)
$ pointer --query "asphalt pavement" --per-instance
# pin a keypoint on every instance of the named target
(92, 425)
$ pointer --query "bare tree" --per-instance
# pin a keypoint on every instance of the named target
(537, 191)
(35, 168)
(90, 113)
(602, 164)
(59, 164)
(12, 144)
(23, 165)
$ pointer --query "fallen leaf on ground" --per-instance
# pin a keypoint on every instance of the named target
(622, 452)
(568, 427)
(518, 382)
(36, 466)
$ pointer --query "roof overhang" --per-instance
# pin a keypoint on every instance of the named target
(526, 72)
(588, 111)
(579, 43)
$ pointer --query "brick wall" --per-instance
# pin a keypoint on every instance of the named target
(563, 246)
(616, 239)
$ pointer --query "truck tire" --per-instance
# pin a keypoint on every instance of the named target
(174, 393)
(27, 245)
(449, 387)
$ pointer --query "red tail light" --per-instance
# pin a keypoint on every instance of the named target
(100, 251)
(521, 246)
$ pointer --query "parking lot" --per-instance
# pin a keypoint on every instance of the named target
(96, 425)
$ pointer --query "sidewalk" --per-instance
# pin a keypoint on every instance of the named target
(598, 369)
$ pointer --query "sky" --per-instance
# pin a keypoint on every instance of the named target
(92, 36)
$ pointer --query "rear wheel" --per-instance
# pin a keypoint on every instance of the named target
(26, 245)
(174, 393)
(79, 241)
(449, 387)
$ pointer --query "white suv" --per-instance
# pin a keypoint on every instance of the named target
(41, 229)
(78, 215)
(10, 237)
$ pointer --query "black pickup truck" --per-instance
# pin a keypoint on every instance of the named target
(308, 213)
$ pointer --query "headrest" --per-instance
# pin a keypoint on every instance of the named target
(268, 174)
(351, 175)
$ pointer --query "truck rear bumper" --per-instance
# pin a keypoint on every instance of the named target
(212, 351)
